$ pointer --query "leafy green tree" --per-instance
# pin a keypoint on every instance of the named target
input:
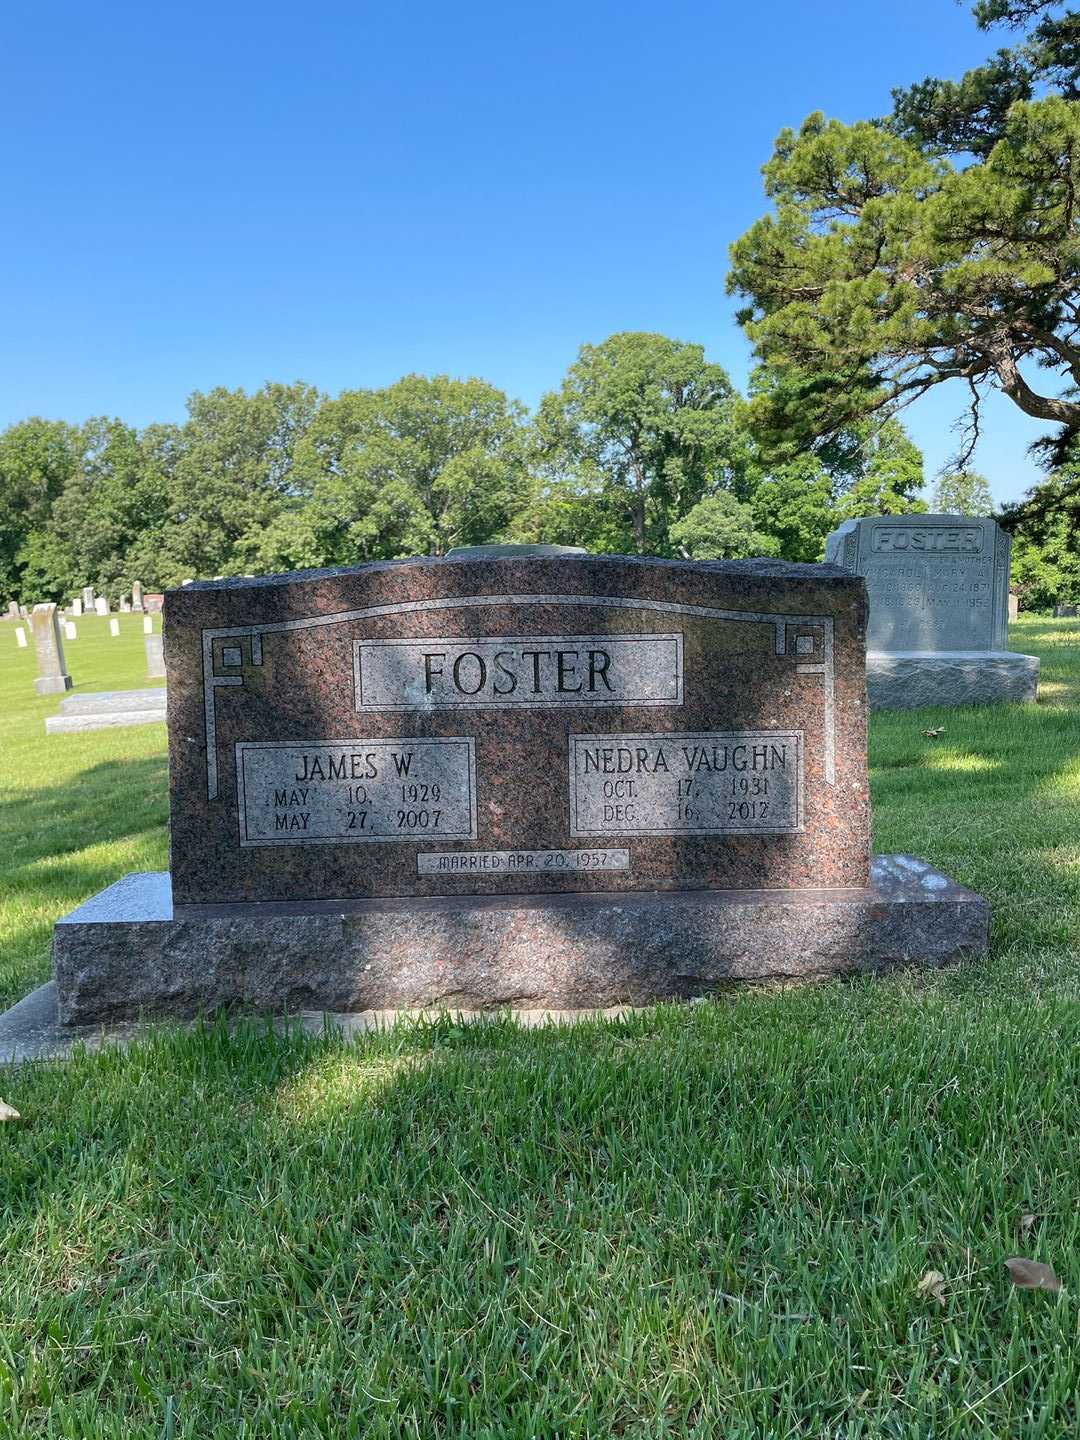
(963, 492)
(883, 476)
(112, 501)
(229, 475)
(646, 427)
(37, 458)
(795, 506)
(942, 244)
(721, 527)
(413, 469)
(1046, 540)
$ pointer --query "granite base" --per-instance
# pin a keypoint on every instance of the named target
(52, 684)
(125, 953)
(908, 680)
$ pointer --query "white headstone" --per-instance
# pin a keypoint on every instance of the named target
(70, 633)
(76, 605)
(101, 605)
(20, 638)
(155, 656)
(148, 624)
(114, 627)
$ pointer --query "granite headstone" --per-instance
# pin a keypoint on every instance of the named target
(531, 780)
(52, 676)
(938, 588)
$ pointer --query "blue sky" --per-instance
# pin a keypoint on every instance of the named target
(224, 194)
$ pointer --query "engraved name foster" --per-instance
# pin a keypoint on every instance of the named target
(535, 670)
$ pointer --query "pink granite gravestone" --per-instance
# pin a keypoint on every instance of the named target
(528, 779)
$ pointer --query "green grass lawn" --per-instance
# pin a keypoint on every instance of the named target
(700, 1221)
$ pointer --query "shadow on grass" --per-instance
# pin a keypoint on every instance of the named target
(695, 1222)
(109, 802)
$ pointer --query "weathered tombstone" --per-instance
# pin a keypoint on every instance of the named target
(70, 633)
(125, 607)
(13, 610)
(155, 655)
(52, 676)
(938, 587)
(1014, 608)
(1064, 612)
(114, 627)
(88, 597)
(101, 605)
(538, 781)
(148, 625)
(137, 595)
(20, 638)
(77, 607)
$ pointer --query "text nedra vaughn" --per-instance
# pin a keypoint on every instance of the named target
(649, 759)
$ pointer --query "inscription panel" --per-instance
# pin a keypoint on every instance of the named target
(936, 582)
(527, 863)
(535, 670)
(340, 792)
(731, 783)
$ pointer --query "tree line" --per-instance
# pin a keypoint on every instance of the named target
(645, 448)
(940, 242)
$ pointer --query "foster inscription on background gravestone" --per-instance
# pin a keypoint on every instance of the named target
(938, 587)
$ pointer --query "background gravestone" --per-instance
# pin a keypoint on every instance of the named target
(137, 595)
(101, 605)
(52, 676)
(88, 597)
(541, 781)
(938, 587)
(155, 655)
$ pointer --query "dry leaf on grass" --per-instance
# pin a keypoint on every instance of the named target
(7, 1113)
(935, 733)
(932, 1286)
(1027, 1224)
(1032, 1274)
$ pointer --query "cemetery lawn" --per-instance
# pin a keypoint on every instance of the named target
(707, 1221)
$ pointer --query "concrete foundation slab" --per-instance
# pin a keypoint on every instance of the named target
(103, 709)
(31, 1030)
(96, 701)
(104, 720)
(127, 953)
(910, 679)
